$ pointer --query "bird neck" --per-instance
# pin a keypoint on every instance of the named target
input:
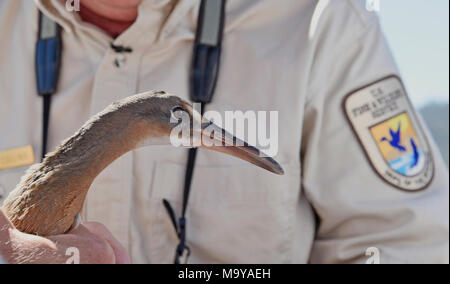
(84, 156)
(59, 185)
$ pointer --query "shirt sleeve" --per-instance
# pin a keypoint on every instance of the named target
(358, 212)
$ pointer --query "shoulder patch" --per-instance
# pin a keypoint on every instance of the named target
(390, 133)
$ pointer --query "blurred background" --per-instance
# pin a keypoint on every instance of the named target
(418, 33)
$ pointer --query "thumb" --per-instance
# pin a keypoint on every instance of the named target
(100, 230)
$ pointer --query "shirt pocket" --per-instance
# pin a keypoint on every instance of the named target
(219, 185)
(237, 213)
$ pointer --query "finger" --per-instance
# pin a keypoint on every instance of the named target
(76, 223)
(120, 252)
(80, 230)
(93, 247)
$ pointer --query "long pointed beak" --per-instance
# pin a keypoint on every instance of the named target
(217, 139)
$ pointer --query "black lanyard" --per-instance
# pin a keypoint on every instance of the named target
(203, 78)
(48, 66)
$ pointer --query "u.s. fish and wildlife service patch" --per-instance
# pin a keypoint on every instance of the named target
(385, 123)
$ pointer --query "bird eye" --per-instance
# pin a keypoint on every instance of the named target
(176, 114)
(177, 108)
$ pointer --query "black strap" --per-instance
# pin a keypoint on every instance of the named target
(47, 101)
(48, 63)
(207, 51)
(203, 79)
(180, 226)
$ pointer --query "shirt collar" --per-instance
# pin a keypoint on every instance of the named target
(70, 21)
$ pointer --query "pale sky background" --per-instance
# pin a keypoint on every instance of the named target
(418, 33)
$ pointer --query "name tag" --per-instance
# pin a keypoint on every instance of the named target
(15, 158)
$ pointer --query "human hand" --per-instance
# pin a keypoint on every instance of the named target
(90, 243)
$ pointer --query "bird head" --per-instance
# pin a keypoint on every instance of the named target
(164, 119)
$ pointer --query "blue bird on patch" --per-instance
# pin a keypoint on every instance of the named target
(395, 139)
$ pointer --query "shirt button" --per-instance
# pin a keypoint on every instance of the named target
(120, 61)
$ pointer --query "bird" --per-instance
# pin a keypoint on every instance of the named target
(50, 195)
(395, 139)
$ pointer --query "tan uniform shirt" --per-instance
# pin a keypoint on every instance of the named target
(301, 58)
